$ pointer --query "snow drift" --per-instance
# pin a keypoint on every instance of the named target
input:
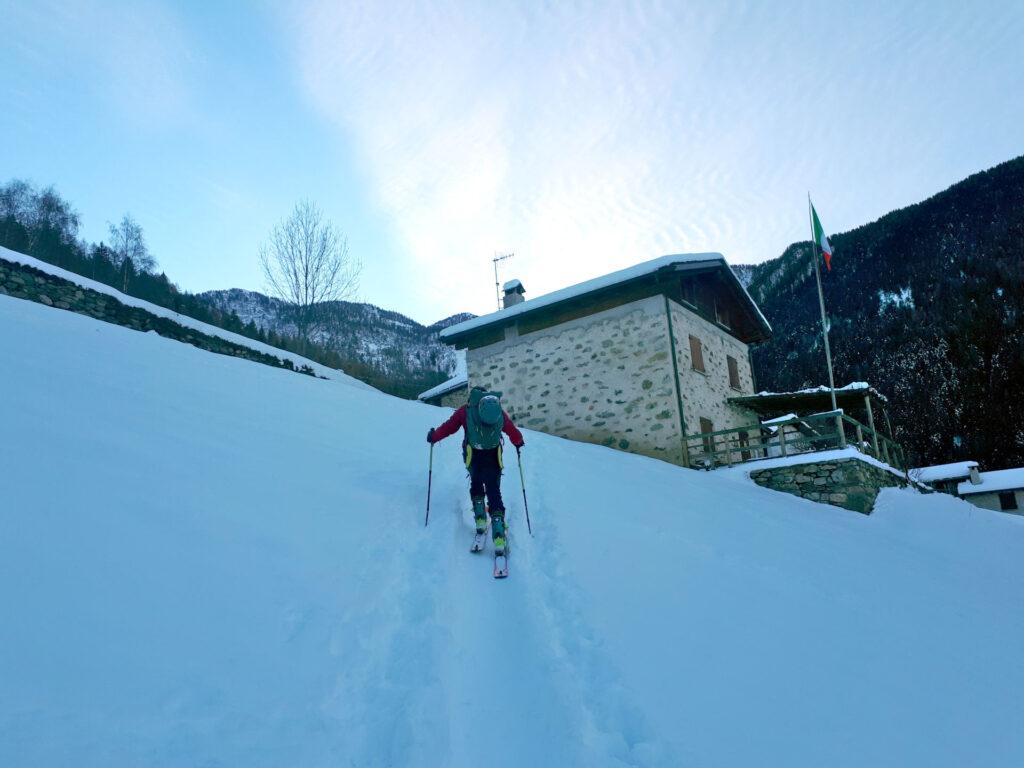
(205, 561)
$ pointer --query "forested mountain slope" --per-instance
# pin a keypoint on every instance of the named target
(387, 349)
(926, 303)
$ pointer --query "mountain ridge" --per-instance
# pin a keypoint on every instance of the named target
(384, 347)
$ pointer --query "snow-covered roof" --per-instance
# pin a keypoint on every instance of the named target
(455, 382)
(998, 480)
(770, 423)
(944, 471)
(606, 281)
(777, 419)
(853, 386)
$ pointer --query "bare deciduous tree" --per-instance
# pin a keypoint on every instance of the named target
(306, 262)
(128, 246)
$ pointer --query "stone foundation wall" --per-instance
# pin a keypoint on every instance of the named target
(24, 282)
(849, 483)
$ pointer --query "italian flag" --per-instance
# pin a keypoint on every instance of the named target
(821, 238)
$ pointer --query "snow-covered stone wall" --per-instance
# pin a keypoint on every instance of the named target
(849, 483)
(23, 281)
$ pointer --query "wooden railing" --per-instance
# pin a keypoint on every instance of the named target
(805, 434)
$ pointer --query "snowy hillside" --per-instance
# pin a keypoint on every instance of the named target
(392, 344)
(205, 561)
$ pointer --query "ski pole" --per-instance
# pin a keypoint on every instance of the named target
(522, 484)
(430, 480)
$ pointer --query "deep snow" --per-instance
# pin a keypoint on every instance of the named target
(206, 561)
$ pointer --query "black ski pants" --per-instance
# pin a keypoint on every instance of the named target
(485, 478)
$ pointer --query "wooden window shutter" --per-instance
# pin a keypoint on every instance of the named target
(705, 427)
(696, 355)
(734, 372)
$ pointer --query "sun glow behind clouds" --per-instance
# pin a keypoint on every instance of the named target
(529, 130)
(590, 138)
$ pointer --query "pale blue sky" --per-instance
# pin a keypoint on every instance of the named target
(583, 136)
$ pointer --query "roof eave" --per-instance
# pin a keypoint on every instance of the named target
(453, 336)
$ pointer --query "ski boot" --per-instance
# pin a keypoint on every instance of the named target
(498, 531)
(480, 519)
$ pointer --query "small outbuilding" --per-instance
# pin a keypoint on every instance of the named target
(1001, 490)
(946, 478)
(451, 393)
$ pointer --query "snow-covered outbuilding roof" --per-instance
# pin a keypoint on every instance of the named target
(613, 279)
(455, 382)
(954, 471)
(771, 423)
(777, 419)
(460, 378)
(992, 482)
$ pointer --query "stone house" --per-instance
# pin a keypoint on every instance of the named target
(636, 359)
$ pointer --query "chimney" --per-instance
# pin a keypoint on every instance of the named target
(513, 293)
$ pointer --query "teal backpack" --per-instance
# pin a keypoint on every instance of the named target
(484, 421)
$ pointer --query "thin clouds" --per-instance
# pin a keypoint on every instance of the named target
(489, 129)
(588, 138)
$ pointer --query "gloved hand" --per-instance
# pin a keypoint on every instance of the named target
(520, 446)
(430, 436)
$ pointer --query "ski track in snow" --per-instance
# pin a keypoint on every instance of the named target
(452, 651)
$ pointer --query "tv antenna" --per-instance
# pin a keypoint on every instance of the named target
(497, 284)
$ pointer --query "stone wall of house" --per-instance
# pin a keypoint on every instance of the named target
(705, 394)
(24, 282)
(991, 501)
(849, 483)
(606, 379)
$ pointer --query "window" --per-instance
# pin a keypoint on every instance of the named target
(721, 313)
(696, 355)
(1008, 501)
(734, 372)
(689, 292)
(709, 442)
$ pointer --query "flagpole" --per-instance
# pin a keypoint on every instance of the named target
(821, 302)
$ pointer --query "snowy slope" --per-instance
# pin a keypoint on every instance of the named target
(205, 561)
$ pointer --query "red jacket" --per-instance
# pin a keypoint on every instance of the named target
(458, 421)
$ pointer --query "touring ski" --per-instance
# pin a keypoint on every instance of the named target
(501, 566)
(479, 542)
